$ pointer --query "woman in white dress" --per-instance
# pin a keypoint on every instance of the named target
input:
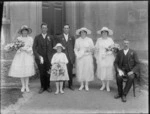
(84, 59)
(104, 58)
(58, 76)
(23, 63)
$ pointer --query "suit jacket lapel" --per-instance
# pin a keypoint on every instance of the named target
(63, 39)
(69, 37)
(41, 38)
(128, 54)
(122, 54)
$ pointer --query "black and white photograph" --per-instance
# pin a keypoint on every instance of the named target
(74, 57)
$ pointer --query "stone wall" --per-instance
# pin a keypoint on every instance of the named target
(18, 14)
(127, 19)
(70, 12)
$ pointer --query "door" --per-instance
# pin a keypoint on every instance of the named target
(53, 13)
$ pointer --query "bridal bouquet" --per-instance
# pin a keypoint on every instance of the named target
(14, 46)
(58, 70)
(113, 48)
(90, 50)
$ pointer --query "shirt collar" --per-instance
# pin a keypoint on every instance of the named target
(44, 34)
(126, 49)
(66, 34)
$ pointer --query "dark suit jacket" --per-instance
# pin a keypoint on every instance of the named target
(69, 46)
(38, 47)
(133, 61)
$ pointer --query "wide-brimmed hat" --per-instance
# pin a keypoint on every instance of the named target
(83, 29)
(59, 44)
(110, 32)
(25, 27)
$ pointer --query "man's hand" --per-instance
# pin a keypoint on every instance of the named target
(121, 73)
(130, 73)
(41, 60)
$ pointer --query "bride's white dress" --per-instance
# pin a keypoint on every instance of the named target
(104, 59)
(84, 59)
(23, 62)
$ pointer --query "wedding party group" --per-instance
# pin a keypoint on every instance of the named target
(56, 56)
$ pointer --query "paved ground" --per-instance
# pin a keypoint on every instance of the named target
(94, 101)
(74, 102)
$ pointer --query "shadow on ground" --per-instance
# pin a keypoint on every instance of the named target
(10, 96)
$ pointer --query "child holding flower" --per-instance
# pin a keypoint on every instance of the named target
(59, 71)
(23, 63)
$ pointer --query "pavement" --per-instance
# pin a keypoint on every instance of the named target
(77, 102)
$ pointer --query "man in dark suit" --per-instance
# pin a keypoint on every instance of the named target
(127, 66)
(68, 42)
(43, 51)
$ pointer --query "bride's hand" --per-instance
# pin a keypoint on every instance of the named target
(103, 56)
(22, 49)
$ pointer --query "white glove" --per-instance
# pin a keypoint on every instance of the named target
(121, 73)
(109, 52)
(41, 60)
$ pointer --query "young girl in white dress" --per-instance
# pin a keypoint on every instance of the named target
(84, 58)
(23, 63)
(59, 59)
(105, 59)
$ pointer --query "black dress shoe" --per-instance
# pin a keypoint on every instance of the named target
(123, 98)
(41, 90)
(49, 90)
(70, 87)
(117, 96)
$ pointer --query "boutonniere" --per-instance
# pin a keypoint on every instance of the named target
(131, 53)
(48, 37)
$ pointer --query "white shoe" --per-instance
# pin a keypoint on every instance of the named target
(27, 89)
(102, 88)
(108, 89)
(86, 88)
(61, 91)
(23, 89)
(81, 87)
(56, 92)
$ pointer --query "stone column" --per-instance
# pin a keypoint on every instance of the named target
(35, 17)
(71, 16)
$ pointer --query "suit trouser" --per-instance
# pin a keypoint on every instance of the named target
(44, 76)
(128, 85)
(69, 68)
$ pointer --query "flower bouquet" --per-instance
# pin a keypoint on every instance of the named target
(113, 48)
(58, 70)
(90, 50)
(14, 46)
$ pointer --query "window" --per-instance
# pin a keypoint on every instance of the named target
(143, 16)
(131, 16)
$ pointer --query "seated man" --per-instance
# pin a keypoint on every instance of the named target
(126, 64)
